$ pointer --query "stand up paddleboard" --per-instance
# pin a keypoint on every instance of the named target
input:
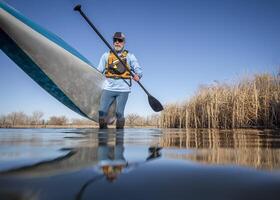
(52, 63)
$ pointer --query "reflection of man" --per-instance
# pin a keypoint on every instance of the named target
(110, 156)
(111, 161)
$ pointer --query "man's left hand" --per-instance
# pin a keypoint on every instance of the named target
(136, 77)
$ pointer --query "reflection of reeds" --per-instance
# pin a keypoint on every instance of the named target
(239, 147)
(250, 103)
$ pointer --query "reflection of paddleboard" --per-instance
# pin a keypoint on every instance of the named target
(52, 63)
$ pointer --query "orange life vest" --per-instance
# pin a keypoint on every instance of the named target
(115, 69)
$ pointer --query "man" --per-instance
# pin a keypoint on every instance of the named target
(118, 80)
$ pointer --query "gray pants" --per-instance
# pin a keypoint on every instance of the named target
(107, 98)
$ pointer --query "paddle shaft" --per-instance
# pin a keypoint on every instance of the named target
(109, 46)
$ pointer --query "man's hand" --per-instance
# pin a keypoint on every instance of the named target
(136, 77)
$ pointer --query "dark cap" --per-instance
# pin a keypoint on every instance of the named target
(119, 35)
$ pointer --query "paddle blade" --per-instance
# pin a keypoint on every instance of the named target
(155, 104)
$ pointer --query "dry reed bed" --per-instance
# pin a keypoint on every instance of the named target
(251, 103)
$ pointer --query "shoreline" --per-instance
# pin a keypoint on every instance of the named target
(113, 126)
(67, 126)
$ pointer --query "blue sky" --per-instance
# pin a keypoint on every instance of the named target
(180, 45)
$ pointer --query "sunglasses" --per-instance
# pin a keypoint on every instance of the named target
(118, 40)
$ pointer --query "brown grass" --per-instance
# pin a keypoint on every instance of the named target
(251, 103)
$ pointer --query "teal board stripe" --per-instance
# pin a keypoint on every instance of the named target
(9, 47)
(54, 38)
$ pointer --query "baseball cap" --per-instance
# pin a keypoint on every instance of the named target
(119, 35)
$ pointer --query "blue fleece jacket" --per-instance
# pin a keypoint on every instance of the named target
(119, 85)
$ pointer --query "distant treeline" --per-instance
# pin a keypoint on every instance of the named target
(20, 119)
(251, 103)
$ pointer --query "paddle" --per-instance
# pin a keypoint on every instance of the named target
(154, 103)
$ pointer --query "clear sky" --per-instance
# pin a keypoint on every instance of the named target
(180, 45)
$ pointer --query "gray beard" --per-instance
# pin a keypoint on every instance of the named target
(118, 49)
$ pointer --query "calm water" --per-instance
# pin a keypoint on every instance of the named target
(139, 164)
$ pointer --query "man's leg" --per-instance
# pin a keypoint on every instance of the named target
(107, 98)
(121, 100)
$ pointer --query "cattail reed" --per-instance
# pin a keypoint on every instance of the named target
(251, 103)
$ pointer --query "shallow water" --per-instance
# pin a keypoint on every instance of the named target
(139, 164)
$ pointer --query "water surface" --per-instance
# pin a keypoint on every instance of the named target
(139, 164)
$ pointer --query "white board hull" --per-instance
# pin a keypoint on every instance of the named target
(52, 63)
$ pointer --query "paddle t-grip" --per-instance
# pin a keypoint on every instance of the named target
(77, 7)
